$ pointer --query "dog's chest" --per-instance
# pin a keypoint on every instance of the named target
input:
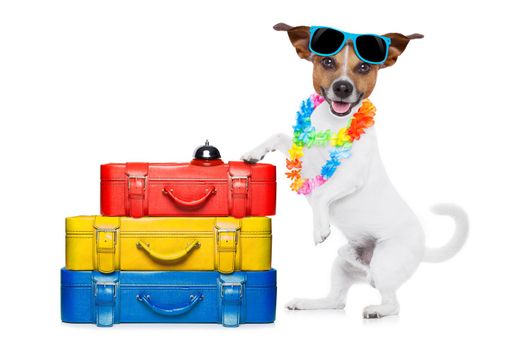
(315, 157)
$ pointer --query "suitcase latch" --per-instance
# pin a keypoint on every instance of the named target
(235, 287)
(227, 238)
(105, 295)
(102, 289)
(138, 182)
(237, 184)
(231, 297)
(106, 239)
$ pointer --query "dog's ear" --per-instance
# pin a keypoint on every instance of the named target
(397, 46)
(299, 37)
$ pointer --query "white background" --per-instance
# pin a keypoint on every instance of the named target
(88, 82)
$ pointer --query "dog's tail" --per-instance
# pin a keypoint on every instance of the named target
(454, 245)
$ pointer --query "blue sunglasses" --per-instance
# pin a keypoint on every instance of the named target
(370, 48)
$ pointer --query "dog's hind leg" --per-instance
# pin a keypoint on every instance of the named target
(393, 262)
(279, 142)
(344, 275)
(388, 307)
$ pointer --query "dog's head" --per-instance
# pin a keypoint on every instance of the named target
(343, 79)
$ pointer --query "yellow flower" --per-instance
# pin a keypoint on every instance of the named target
(296, 152)
(339, 139)
(297, 184)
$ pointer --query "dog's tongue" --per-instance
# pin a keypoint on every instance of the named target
(340, 107)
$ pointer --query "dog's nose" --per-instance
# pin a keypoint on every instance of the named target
(342, 88)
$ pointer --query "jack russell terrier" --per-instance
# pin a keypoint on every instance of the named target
(386, 242)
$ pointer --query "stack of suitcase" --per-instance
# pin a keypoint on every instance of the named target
(176, 242)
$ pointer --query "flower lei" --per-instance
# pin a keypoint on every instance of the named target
(305, 135)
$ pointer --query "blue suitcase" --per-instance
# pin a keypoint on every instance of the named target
(168, 296)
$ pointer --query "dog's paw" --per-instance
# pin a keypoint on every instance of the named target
(254, 155)
(314, 304)
(295, 304)
(379, 311)
(302, 304)
(321, 235)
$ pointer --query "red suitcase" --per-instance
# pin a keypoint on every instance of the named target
(204, 187)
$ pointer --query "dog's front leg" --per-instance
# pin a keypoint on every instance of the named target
(321, 215)
(320, 202)
(279, 142)
(322, 197)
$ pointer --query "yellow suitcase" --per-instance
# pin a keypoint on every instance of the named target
(224, 244)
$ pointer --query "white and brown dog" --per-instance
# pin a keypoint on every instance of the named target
(386, 242)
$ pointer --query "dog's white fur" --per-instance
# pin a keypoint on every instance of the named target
(386, 242)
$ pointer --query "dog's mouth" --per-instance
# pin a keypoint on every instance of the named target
(341, 108)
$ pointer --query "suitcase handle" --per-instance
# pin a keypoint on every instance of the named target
(193, 203)
(146, 299)
(168, 258)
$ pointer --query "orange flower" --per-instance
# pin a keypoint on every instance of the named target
(367, 108)
(293, 164)
(364, 118)
(294, 174)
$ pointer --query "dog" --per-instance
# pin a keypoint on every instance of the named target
(386, 242)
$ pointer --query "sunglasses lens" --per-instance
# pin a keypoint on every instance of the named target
(326, 41)
(372, 48)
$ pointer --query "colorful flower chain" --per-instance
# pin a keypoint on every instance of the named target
(305, 135)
